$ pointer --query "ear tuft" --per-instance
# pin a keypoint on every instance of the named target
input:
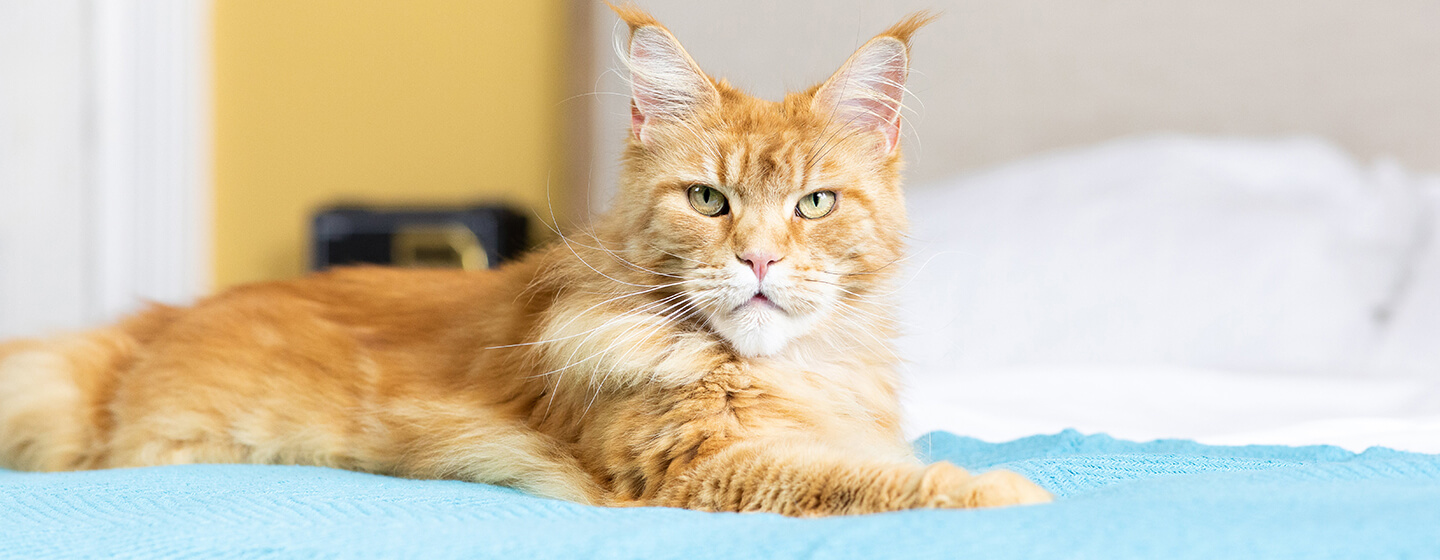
(907, 27)
(632, 15)
(868, 91)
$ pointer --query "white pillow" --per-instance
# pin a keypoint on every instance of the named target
(1268, 255)
(1411, 343)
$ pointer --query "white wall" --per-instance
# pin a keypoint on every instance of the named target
(999, 79)
(44, 167)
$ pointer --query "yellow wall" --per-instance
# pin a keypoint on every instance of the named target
(413, 101)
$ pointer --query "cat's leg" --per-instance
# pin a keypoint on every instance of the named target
(437, 438)
(805, 479)
(467, 442)
(724, 444)
(426, 440)
(173, 438)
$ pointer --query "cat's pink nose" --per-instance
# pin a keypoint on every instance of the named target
(759, 262)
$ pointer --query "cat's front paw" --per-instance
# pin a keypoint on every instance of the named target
(947, 486)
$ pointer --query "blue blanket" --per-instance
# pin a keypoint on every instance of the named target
(1115, 499)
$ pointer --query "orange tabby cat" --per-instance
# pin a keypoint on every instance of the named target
(718, 343)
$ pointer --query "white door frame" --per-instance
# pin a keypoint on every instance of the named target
(153, 143)
(104, 159)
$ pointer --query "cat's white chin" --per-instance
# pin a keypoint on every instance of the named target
(758, 329)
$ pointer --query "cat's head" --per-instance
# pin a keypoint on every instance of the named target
(771, 218)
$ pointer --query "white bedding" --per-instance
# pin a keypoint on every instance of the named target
(1146, 403)
(1232, 291)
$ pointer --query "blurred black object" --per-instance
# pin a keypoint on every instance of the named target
(471, 238)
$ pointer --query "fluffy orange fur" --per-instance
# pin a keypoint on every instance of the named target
(655, 360)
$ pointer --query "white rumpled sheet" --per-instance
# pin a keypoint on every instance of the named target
(1164, 402)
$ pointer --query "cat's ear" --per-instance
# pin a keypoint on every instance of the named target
(867, 91)
(665, 83)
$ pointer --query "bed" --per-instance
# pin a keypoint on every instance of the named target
(1205, 348)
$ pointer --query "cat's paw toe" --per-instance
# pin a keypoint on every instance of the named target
(951, 487)
(1005, 488)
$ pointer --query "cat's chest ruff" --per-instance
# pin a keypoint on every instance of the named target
(760, 392)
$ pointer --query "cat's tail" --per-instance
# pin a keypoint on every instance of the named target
(42, 422)
(54, 393)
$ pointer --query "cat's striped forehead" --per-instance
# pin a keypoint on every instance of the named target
(763, 150)
(763, 167)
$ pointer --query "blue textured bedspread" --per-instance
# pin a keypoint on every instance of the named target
(1115, 499)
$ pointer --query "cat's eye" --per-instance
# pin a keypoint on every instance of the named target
(708, 201)
(816, 205)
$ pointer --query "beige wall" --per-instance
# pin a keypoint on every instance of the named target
(374, 101)
(999, 79)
